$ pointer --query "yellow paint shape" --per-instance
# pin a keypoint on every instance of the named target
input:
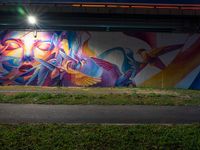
(183, 64)
(87, 51)
(65, 46)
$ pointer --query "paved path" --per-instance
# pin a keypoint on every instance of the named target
(33, 113)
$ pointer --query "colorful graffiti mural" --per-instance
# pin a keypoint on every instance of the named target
(99, 59)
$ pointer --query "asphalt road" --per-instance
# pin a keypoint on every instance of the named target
(34, 113)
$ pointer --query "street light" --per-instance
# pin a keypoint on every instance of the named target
(32, 20)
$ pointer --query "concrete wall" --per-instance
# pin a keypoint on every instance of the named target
(100, 59)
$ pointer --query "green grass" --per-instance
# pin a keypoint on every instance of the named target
(85, 137)
(99, 99)
(98, 96)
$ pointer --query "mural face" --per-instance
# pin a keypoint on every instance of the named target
(22, 49)
(99, 59)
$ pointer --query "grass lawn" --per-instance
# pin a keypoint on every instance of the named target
(99, 96)
(57, 137)
(93, 136)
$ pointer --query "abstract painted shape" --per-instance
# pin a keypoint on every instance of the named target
(66, 58)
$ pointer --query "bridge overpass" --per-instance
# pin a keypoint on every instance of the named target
(113, 15)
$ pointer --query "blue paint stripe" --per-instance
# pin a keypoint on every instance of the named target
(196, 83)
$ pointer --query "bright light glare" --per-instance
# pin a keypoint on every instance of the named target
(32, 20)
